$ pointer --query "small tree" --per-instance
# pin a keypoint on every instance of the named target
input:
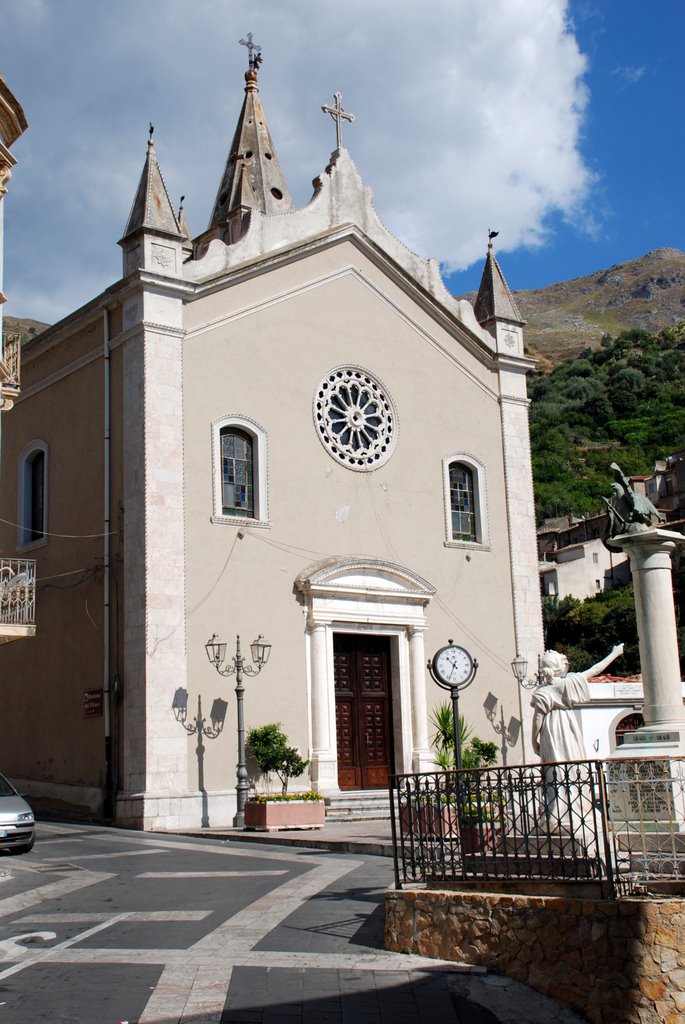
(270, 748)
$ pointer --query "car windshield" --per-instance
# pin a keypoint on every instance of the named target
(5, 788)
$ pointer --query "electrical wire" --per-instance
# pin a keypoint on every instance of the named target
(63, 536)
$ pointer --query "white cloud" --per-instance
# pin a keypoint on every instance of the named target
(630, 75)
(468, 116)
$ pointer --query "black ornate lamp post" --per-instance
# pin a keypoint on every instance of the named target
(216, 652)
(198, 726)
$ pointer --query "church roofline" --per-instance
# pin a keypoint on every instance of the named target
(478, 341)
(341, 203)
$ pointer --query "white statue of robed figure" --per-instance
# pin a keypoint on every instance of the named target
(556, 731)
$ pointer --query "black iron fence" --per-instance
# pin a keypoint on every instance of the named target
(619, 824)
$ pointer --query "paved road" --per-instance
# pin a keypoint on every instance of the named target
(100, 926)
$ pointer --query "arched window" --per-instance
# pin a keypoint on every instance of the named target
(627, 725)
(33, 487)
(462, 502)
(464, 493)
(239, 472)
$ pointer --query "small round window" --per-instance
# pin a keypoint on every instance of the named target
(355, 418)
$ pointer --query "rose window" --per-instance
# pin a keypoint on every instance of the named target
(355, 418)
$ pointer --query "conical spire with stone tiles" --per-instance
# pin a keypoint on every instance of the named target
(495, 301)
(253, 175)
(152, 209)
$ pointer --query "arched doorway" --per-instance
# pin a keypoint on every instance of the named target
(367, 671)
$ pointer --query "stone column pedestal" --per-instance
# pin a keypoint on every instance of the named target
(663, 733)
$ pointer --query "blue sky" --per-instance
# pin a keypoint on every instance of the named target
(557, 122)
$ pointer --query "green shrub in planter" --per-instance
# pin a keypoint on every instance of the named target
(270, 748)
(278, 798)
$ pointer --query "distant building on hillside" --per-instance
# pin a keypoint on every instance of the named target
(665, 488)
(574, 560)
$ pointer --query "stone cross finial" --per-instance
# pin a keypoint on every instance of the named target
(252, 48)
(339, 115)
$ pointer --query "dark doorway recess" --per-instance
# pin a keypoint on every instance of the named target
(363, 712)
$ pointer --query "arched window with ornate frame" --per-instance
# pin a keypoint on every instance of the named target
(239, 459)
(466, 522)
(32, 494)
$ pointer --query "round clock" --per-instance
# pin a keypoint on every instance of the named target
(452, 666)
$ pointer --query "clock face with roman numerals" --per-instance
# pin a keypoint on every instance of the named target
(453, 665)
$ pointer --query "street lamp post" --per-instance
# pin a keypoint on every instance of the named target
(198, 726)
(519, 666)
(216, 652)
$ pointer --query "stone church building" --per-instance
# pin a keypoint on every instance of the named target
(284, 425)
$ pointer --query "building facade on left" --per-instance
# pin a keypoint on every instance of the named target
(17, 575)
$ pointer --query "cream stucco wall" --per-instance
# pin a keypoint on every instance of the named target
(258, 350)
(252, 343)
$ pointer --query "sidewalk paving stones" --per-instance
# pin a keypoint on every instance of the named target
(99, 926)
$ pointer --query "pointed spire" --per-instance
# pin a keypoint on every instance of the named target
(495, 301)
(252, 177)
(186, 236)
(152, 209)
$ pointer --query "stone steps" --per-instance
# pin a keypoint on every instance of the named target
(358, 805)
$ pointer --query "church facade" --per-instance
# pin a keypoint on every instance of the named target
(284, 426)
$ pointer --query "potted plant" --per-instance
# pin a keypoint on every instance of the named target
(269, 812)
(464, 807)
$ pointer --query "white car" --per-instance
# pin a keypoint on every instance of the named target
(17, 824)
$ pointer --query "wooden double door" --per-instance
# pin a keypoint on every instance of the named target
(363, 711)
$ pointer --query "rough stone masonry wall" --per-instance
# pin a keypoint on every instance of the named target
(616, 962)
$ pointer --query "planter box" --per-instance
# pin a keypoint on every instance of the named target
(441, 822)
(287, 814)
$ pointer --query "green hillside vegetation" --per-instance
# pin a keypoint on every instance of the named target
(623, 402)
(587, 630)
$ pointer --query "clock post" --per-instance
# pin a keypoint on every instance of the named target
(453, 669)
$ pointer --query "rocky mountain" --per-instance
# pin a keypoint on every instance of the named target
(565, 318)
(26, 328)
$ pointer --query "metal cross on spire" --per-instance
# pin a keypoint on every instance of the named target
(252, 48)
(339, 115)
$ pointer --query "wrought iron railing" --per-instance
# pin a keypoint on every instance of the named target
(527, 822)
(646, 806)
(619, 823)
(17, 592)
(11, 357)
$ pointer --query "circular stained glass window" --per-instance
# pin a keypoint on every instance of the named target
(355, 418)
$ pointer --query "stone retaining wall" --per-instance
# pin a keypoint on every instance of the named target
(615, 961)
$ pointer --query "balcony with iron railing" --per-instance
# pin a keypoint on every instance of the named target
(17, 598)
(10, 368)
